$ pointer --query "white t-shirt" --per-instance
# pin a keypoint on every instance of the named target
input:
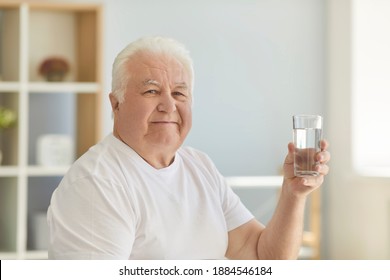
(114, 205)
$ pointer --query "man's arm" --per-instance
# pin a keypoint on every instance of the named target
(282, 237)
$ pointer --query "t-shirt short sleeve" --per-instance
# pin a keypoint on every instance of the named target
(236, 214)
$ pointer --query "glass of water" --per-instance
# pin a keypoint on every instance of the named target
(307, 137)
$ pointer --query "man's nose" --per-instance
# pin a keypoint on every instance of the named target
(167, 103)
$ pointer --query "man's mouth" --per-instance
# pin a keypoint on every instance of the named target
(164, 122)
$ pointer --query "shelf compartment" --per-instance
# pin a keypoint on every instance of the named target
(9, 137)
(40, 190)
(50, 114)
(75, 32)
(9, 38)
(8, 214)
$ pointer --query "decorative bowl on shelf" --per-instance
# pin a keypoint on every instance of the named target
(54, 69)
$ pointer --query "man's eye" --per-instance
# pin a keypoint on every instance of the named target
(179, 94)
(151, 91)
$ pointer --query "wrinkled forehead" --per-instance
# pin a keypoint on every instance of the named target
(146, 63)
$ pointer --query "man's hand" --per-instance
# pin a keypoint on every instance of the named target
(302, 186)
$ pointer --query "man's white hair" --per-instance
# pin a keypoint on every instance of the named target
(157, 45)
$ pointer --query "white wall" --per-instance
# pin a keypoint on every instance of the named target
(358, 207)
(371, 86)
(256, 64)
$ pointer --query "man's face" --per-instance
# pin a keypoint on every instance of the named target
(156, 115)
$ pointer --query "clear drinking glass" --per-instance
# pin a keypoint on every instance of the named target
(307, 137)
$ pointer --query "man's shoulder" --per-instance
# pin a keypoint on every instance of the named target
(97, 160)
(196, 157)
(190, 152)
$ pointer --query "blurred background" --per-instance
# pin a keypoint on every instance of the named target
(257, 63)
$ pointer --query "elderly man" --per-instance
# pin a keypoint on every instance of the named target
(138, 194)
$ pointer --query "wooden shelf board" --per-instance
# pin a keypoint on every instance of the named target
(9, 86)
(47, 170)
(9, 4)
(36, 255)
(8, 255)
(72, 7)
(8, 171)
(55, 87)
(255, 181)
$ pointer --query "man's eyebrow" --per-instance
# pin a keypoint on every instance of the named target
(150, 82)
(156, 83)
(181, 85)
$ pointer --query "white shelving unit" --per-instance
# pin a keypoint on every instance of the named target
(255, 181)
(29, 33)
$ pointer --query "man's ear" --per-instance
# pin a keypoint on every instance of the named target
(114, 102)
